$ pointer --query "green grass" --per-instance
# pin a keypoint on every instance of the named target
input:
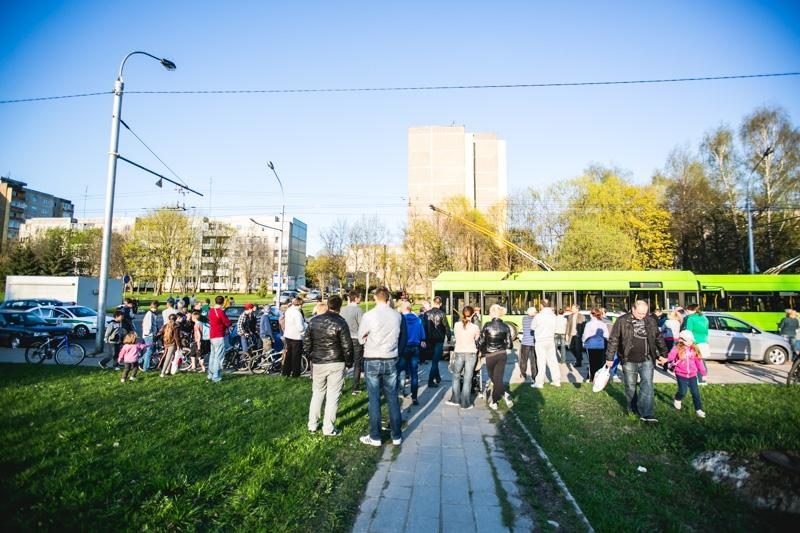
(83, 451)
(596, 449)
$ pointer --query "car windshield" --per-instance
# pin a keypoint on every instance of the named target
(81, 311)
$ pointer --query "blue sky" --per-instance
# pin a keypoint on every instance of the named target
(345, 154)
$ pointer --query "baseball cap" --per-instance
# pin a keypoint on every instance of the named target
(687, 336)
(249, 306)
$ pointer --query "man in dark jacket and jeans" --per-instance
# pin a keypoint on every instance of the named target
(638, 341)
(329, 347)
(436, 331)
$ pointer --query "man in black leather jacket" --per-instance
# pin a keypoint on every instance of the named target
(436, 331)
(637, 340)
(495, 341)
(329, 347)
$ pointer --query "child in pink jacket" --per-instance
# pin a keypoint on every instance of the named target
(686, 362)
(129, 355)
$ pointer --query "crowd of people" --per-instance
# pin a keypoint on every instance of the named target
(390, 340)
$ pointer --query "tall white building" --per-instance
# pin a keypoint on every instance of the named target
(447, 161)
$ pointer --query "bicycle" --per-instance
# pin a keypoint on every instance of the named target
(271, 362)
(794, 373)
(65, 353)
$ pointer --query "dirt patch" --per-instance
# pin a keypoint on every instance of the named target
(753, 479)
(550, 508)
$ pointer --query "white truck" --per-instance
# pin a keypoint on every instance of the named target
(78, 289)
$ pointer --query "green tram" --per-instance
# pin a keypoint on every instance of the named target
(760, 299)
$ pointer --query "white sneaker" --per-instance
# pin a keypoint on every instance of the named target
(677, 404)
(701, 413)
(702, 383)
(555, 384)
(450, 402)
(369, 441)
(122, 380)
(537, 386)
(397, 442)
(493, 406)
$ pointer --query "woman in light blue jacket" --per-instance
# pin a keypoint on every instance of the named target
(594, 339)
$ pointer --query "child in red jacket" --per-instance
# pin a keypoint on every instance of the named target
(685, 361)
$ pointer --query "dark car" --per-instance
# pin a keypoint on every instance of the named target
(29, 303)
(234, 312)
(21, 329)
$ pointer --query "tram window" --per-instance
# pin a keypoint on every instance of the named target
(713, 301)
(521, 300)
(788, 300)
(673, 300)
(494, 297)
(567, 299)
(588, 300)
(445, 296)
(551, 297)
(616, 302)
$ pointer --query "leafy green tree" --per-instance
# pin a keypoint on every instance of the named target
(636, 210)
(591, 244)
(775, 183)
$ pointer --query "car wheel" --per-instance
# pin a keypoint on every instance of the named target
(14, 342)
(82, 331)
(775, 355)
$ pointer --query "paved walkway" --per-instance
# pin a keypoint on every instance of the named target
(446, 473)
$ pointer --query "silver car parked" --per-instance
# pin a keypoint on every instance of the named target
(731, 338)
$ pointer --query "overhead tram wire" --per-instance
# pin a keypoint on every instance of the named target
(423, 87)
(151, 151)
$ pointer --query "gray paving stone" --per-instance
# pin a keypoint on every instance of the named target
(418, 523)
(482, 499)
(454, 490)
(405, 462)
(400, 478)
(489, 519)
(365, 510)
(390, 516)
(481, 483)
(396, 491)
(457, 518)
(504, 470)
(425, 501)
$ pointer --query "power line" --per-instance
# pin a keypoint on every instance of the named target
(424, 87)
(151, 151)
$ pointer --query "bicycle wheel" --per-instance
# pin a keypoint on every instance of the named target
(70, 354)
(257, 363)
(36, 353)
(186, 361)
(794, 374)
(304, 366)
(273, 362)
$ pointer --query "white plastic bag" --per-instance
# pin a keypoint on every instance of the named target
(176, 363)
(601, 379)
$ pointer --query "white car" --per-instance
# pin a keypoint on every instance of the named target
(731, 338)
(82, 319)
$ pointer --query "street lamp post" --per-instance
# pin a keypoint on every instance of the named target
(283, 217)
(113, 154)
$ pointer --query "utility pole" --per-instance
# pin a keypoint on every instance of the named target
(750, 243)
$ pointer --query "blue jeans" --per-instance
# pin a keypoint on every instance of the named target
(410, 363)
(148, 352)
(215, 359)
(433, 376)
(640, 402)
(691, 384)
(461, 390)
(381, 375)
